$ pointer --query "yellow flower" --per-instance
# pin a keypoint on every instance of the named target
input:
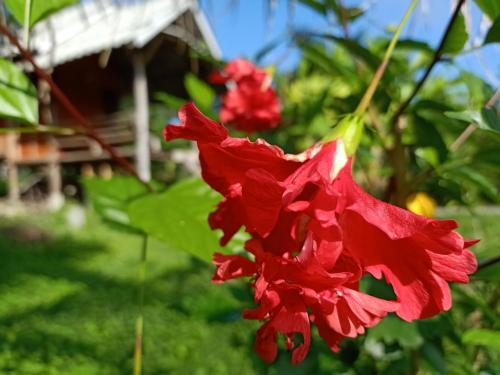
(421, 204)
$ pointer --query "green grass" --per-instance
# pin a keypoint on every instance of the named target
(68, 306)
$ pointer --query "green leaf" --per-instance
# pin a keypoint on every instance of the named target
(493, 35)
(413, 44)
(171, 101)
(483, 337)
(434, 357)
(489, 7)
(202, 94)
(18, 99)
(427, 135)
(357, 50)
(178, 217)
(491, 272)
(110, 198)
(478, 179)
(486, 119)
(392, 329)
(457, 37)
(488, 157)
(316, 5)
(40, 9)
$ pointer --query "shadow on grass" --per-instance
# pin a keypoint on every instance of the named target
(57, 314)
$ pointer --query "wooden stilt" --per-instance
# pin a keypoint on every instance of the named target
(11, 164)
(141, 114)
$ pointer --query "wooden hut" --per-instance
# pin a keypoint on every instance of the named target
(100, 53)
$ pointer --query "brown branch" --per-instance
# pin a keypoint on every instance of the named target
(69, 106)
(436, 58)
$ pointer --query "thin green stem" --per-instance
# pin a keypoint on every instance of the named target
(139, 324)
(370, 91)
(26, 29)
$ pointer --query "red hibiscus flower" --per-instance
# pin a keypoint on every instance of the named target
(250, 103)
(314, 234)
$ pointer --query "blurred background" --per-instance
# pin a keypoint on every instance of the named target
(72, 223)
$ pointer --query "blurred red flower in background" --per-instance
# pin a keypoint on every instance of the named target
(314, 234)
(250, 104)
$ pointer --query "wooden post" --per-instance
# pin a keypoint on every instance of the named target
(141, 117)
(11, 164)
(56, 197)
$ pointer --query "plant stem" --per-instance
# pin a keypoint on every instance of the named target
(139, 324)
(436, 58)
(370, 91)
(26, 26)
(70, 107)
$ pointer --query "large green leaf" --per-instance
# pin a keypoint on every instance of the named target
(457, 37)
(493, 35)
(18, 99)
(40, 9)
(202, 94)
(110, 198)
(489, 7)
(178, 217)
(484, 337)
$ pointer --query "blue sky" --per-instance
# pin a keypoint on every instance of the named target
(242, 28)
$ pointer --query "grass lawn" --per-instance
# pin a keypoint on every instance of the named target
(68, 304)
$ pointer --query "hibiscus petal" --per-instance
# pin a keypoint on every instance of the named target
(229, 215)
(231, 266)
(286, 322)
(195, 126)
(418, 275)
(261, 198)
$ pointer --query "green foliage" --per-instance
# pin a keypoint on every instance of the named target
(483, 337)
(457, 37)
(170, 101)
(40, 9)
(394, 330)
(67, 309)
(490, 7)
(486, 118)
(110, 198)
(493, 35)
(201, 93)
(18, 99)
(178, 217)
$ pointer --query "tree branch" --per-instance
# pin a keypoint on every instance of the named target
(69, 106)
(436, 58)
(397, 156)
